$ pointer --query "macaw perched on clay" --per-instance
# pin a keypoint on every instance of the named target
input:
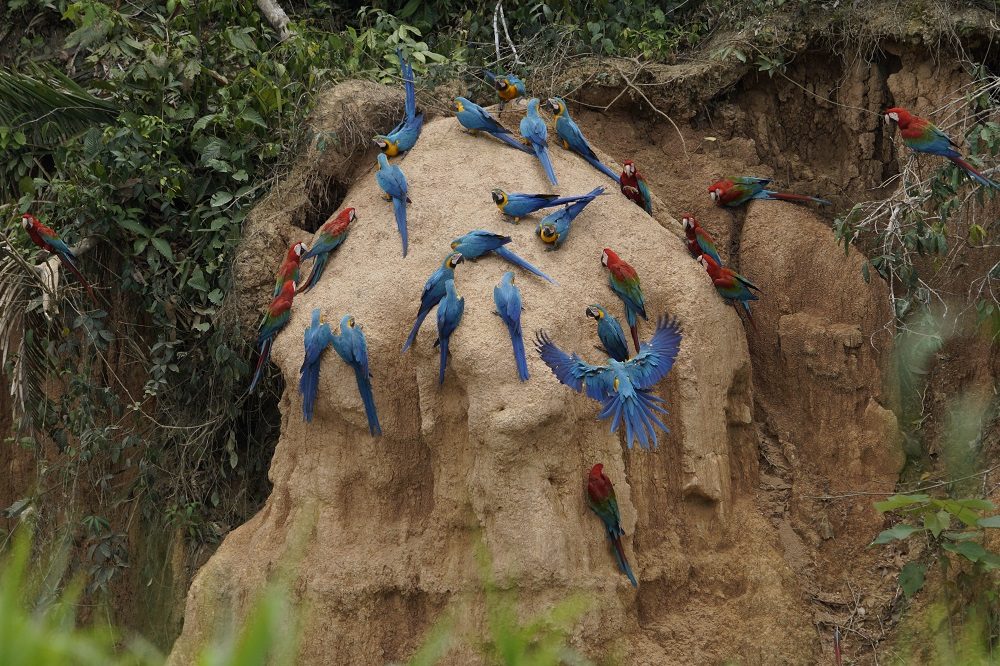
(508, 86)
(634, 186)
(352, 347)
(624, 281)
(275, 318)
(519, 204)
(609, 330)
(434, 291)
(449, 316)
(331, 235)
(699, 241)
(391, 180)
(731, 285)
(920, 135)
(404, 136)
(478, 242)
(289, 269)
(624, 389)
(554, 228)
(507, 298)
(316, 339)
(736, 191)
(602, 501)
(571, 137)
(475, 118)
(49, 240)
(535, 132)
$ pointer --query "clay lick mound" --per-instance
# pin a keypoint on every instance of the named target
(394, 520)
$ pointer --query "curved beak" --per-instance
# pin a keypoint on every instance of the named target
(592, 312)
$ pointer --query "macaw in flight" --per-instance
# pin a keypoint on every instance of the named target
(624, 389)
(404, 136)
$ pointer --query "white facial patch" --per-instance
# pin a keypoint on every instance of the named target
(714, 194)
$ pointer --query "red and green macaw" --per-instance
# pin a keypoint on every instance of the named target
(731, 285)
(602, 501)
(331, 235)
(738, 190)
(699, 241)
(920, 135)
(49, 240)
(277, 316)
(624, 281)
(289, 269)
(634, 186)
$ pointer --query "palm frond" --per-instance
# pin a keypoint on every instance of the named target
(49, 107)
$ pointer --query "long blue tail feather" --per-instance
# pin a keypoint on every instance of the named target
(416, 328)
(399, 209)
(517, 340)
(444, 359)
(371, 413)
(317, 271)
(308, 383)
(511, 141)
(542, 153)
(597, 164)
(508, 255)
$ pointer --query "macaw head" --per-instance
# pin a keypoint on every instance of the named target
(708, 263)
(299, 249)
(900, 115)
(454, 259)
(460, 103)
(716, 190)
(501, 83)
(556, 105)
(27, 220)
(608, 256)
(597, 471)
(386, 145)
(547, 232)
(533, 106)
(595, 312)
(628, 168)
(351, 214)
(499, 198)
(688, 222)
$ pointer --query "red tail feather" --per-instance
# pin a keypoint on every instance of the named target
(635, 337)
(973, 173)
(79, 276)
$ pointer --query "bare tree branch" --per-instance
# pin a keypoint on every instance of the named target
(276, 16)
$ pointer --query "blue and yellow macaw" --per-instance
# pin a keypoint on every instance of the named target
(611, 333)
(624, 389)
(553, 229)
(404, 136)
(352, 347)
(275, 318)
(475, 118)
(317, 337)
(571, 137)
(393, 183)
(449, 316)
(508, 86)
(507, 298)
(478, 242)
(518, 204)
(434, 291)
(533, 129)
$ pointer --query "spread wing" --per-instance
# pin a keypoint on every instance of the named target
(656, 357)
(572, 371)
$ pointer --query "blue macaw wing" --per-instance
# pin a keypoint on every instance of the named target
(512, 304)
(359, 350)
(570, 132)
(647, 198)
(752, 182)
(656, 357)
(572, 371)
(533, 129)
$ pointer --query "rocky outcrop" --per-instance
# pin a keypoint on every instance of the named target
(390, 524)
